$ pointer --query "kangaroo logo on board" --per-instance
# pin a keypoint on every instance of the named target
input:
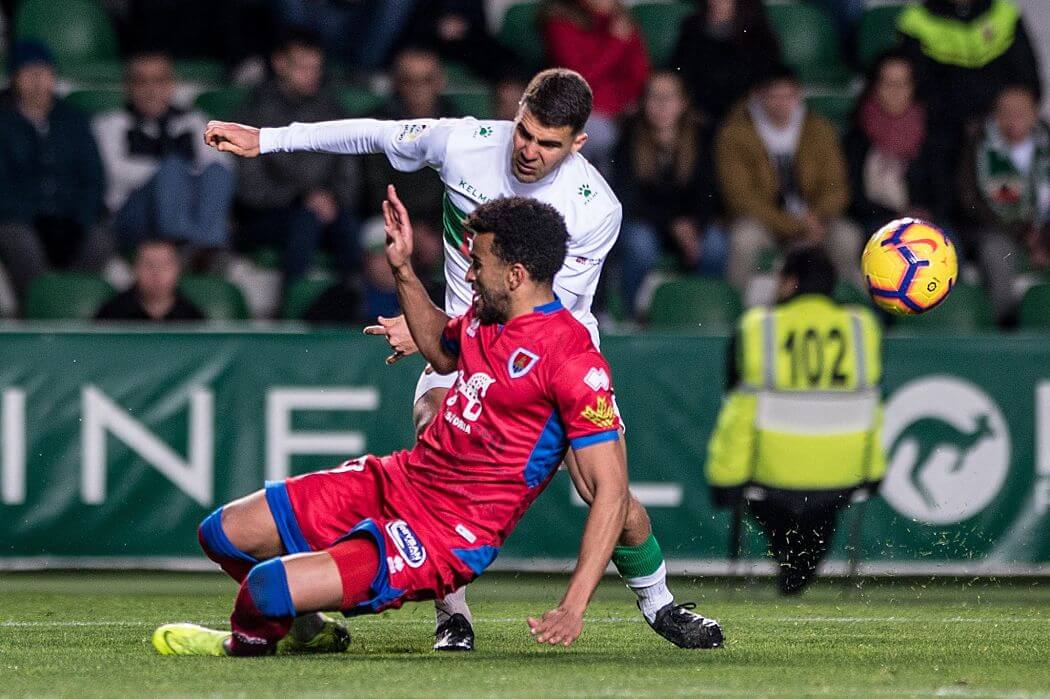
(947, 450)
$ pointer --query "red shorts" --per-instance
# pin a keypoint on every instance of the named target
(420, 557)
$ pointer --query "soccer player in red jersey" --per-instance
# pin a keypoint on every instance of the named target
(379, 531)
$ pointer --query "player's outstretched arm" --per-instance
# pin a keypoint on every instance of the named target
(229, 137)
(603, 469)
(425, 321)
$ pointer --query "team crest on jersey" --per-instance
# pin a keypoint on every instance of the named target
(483, 132)
(407, 543)
(410, 132)
(587, 192)
(601, 414)
(521, 362)
(472, 329)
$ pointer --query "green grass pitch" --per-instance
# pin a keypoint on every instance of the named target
(82, 634)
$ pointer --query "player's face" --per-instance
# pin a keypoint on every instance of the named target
(538, 149)
(488, 274)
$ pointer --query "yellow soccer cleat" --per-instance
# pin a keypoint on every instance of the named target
(189, 639)
(334, 637)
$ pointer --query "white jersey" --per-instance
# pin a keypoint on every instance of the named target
(473, 159)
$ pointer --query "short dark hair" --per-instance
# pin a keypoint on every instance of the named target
(1018, 87)
(559, 97)
(298, 37)
(778, 73)
(812, 267)
(527, 232)
(176, 245)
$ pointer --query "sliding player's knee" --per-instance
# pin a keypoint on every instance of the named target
(248, 525)
(268, 585)
(216, 544)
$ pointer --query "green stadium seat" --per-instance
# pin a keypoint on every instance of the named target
(221, 104)
(520, 34)
(659, 23)
(66, 296)
(460, 78)
(300, 295)
(359, 101)
(877, 33)
(93, 102)
(201, 71)
(808, 43)
(475, 104)
(837, 107)
(849, 294)
(103, 72)
(1034, 313)
(966, 310)
(76, 30)
(219, 299)
(694, 303)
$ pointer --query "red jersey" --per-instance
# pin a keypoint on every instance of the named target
(526, 392)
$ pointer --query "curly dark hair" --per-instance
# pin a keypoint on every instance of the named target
(559, 97)
(527, 232)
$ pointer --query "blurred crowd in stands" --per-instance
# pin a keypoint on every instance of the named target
(730, 129)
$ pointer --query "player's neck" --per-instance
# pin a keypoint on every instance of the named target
(528, 303)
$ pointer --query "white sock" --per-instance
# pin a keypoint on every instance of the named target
(453, 603)
(652, 592)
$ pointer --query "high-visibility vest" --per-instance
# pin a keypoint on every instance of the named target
(971, 43)
(806, 414)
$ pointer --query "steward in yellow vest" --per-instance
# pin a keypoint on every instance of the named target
(799, 430)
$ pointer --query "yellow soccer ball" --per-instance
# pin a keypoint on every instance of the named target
(909, 266)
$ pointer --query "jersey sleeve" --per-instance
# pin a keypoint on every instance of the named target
(577, 280)
(450, 341)
(583, 391)
(419, 143)
(408, 145)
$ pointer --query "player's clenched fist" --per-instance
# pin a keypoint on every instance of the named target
(559, 626)
(228, 137)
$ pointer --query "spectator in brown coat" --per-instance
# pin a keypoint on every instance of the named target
(783, 179)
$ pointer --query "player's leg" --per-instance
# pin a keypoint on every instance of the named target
(640, 562)
(243, 534)
(240, 534)
(274, 593)
(453, 629)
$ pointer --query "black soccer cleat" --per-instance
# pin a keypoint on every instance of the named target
(680, 626)
(455, 634)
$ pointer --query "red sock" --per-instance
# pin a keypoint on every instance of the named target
(358, 562)
(254, 633)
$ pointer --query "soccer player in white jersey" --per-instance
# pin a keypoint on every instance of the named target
(536, 155)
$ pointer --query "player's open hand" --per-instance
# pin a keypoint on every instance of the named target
(228, 137)
(397, 336)
(398, 231)
(559, 626)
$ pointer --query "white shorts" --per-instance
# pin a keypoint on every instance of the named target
(429, 380)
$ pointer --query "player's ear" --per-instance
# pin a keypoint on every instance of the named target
(577, 143)
(516, 276)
